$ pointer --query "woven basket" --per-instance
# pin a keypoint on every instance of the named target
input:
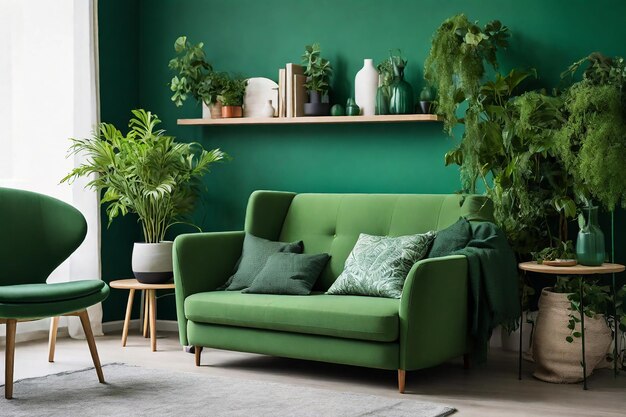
(557, 360)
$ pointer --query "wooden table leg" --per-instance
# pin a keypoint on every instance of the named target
(52, 337)
(152, 300)
(146, 312)
(129, 310)
(84, 320)
(9, 359)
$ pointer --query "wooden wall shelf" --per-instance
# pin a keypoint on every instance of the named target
(391, 118)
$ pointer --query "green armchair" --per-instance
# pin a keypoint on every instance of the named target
(38, 233)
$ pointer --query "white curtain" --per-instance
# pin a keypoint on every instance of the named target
(48, 93)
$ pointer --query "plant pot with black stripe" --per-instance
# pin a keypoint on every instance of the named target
(152, 262)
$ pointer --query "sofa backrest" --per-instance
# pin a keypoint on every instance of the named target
(331, 223)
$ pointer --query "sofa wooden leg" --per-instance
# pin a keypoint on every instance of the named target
(9, 359)
(198, 352)
(467, 364)
(401, 380)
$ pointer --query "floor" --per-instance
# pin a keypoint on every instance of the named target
(492, 390)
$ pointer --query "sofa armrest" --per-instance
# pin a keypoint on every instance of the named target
(434, 312)
(202, 262)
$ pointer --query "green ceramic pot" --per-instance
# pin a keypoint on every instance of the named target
(337, 110)
(401, 101)
(352, 109)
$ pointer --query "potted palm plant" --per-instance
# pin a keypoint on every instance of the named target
(148, 173)
(318, 71)
(231, 96)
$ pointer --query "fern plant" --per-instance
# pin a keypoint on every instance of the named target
(144, 172)
(592, 141)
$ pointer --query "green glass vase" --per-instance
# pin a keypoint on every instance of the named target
(590, 241)
(401, 100)
(382, 100)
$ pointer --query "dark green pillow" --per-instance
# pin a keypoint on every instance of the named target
(289, 273)
(256, 251)
(451, 239)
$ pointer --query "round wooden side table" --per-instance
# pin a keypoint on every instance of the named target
(149, 306)
(582, 271)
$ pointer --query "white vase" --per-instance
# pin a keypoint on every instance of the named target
(365, 88)
(152, 262)
(267, 110)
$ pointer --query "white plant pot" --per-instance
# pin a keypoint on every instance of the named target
(152, 262)
(365, 88)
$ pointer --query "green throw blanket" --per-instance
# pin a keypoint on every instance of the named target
(494, 290)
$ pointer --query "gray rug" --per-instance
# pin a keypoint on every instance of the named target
(135, 391)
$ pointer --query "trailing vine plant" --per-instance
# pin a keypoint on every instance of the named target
(456, 62)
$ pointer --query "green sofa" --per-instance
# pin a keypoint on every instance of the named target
(427, 326)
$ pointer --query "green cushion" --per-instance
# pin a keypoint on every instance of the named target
(53, 308)
(46, 293)
(378, 265)
(254, 255)
(451, 239)
(289, 274)
(364, 318)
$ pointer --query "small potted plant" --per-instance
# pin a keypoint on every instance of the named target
(148, 173)
(194, 76)
(385, 78)
(318, 72)
(426, 99)
(209, 90)
(563, 254)
(231, 97)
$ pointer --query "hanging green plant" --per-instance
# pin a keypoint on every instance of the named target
(455, 65)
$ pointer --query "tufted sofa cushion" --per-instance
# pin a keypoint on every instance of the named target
(331, 223)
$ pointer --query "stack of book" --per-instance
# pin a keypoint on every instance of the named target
(291, 92)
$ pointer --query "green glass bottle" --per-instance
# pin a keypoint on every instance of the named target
(401, 101)
(590, 241)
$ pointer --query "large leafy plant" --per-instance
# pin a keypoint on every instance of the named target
(144, 172)
(317, 69)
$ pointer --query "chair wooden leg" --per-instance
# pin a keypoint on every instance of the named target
(52, 337)
(146, 312)
(9, 359)
(198, 352)
(152, 301)
(401, 380)
(129, 309)
(84, 320)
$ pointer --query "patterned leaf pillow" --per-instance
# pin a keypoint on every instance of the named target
(378, 265)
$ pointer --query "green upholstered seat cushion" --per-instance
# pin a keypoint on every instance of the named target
(46, 293)
(352, 317)
(52, 308)
(289, 274)
(451, 239)
(378, 265)
(254, 255)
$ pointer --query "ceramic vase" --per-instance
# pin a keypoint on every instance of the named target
(401, 101)
(351, 108)
(365, 88)
(152, 262)
(590, 241)
(268, 109)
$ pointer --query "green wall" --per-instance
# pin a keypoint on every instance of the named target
(255, 38)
